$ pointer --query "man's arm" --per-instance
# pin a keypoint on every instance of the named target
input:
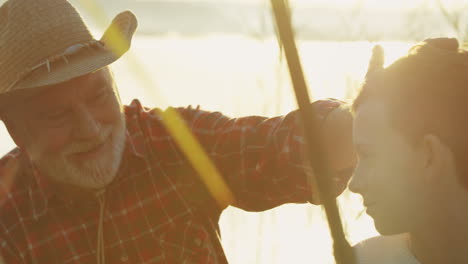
(259, 158)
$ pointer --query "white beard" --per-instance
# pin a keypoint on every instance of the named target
(91, 174)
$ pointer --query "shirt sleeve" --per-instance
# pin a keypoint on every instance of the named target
(258, 157)
(8, 172)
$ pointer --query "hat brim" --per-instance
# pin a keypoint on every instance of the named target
(88, 59)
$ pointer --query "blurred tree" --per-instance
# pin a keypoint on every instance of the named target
(455, 16)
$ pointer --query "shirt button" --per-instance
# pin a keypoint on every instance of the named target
(124, 258)
(197, 241)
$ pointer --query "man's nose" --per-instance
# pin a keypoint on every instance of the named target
(86, 125)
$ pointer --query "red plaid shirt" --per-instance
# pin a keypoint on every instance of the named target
(157, 210)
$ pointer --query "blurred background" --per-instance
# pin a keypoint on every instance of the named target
(223, 55)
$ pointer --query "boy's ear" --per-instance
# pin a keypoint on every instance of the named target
(437, 157)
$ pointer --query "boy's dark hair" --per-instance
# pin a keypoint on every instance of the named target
(426, 93)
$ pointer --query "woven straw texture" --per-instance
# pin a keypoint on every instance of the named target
(33, 31)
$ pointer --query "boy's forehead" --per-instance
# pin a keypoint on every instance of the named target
(371, 123)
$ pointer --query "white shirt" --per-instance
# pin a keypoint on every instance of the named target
(385, 250)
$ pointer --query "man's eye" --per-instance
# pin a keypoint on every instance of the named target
(56, 115)
(99, 98)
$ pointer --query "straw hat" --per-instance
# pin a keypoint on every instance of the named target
(45, 42)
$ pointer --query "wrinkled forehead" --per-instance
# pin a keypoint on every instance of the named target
(42, 96)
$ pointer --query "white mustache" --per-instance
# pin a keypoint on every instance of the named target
(78, 147)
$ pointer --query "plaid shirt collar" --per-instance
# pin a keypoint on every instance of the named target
(42, 190)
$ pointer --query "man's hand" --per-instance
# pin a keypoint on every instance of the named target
(338, 146)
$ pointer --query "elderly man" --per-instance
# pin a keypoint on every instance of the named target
(93, 181)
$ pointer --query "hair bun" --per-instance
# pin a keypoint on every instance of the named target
(376, 61)
(450, 44)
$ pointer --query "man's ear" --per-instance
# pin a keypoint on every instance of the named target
(438, 158)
